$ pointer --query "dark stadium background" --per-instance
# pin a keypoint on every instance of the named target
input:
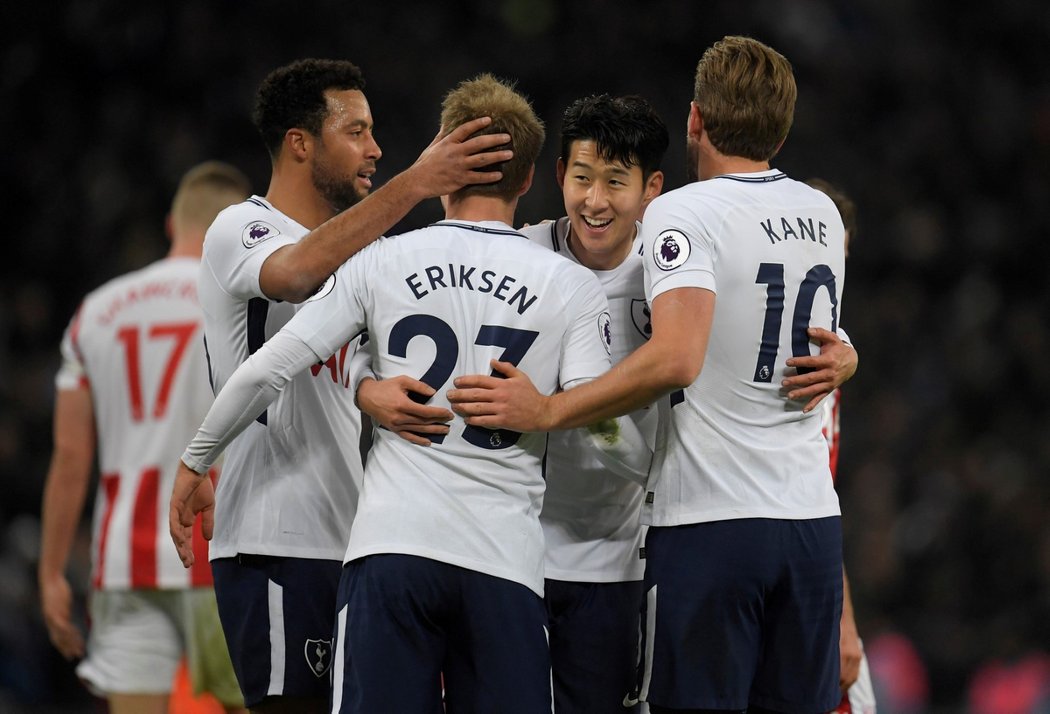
(935, 116)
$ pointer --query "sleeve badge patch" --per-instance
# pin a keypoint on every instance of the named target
(670, 249)
(256, 232)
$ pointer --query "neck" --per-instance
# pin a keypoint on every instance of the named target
(600, 262)
(292, 192)
(713, 163)
(481, 208)
(187, 243)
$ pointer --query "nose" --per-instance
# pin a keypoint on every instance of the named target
(597, 196)
(373, 151)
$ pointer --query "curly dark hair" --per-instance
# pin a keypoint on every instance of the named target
(292, 96)
(626, 130)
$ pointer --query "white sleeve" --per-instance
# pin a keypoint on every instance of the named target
(72, 374)
(247, 393)
(236, 246)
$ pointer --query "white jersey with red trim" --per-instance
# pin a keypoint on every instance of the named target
(591, 516)
(137, 344)
(731, 445)
(291, 480)
(438, 303)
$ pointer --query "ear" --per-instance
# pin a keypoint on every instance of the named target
(298, 144)
(653, 186)
(527, 183)
(695, 125)
(560, 171)
(169, 227)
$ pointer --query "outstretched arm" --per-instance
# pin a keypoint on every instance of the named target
(248, 392)
(671, 359)
(295, 271)
(64, 494)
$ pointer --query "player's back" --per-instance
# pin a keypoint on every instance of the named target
(137, 342)
(442, 302)
(771, 250)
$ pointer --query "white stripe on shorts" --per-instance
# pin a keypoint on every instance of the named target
(337, 665)
(650, 635)
(275, 603)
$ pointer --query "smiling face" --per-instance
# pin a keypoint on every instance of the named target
(603, 200)
(346, 151)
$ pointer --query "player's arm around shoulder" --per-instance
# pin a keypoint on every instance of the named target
(450, 162)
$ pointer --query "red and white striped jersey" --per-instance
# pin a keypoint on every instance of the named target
(137, 344)
(830, 428)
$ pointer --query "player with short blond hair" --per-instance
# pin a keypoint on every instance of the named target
(133, 383)
(443, 572)
(284, 508)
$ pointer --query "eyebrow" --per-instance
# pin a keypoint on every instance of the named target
(616, 167)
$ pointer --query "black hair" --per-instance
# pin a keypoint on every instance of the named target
(626, 129)
(292, 96)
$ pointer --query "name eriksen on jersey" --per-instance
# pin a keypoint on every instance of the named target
(806, 230)
(462, 276)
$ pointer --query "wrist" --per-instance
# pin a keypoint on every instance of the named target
(409, 187)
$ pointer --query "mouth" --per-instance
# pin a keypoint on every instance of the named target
(596, 224)
(365, 177)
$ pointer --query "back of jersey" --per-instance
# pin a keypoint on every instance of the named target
(136, 342)
(731, 444)
(439, 303)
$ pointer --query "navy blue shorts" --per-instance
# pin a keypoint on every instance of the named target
(278, 615)
(404, 621)
(594, 629)
(743, 613)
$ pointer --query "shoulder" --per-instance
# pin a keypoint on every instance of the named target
(550, 235)
(248, 223)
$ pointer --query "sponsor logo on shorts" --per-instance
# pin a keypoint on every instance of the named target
(256, 232)
(319, 656)
(670, 249)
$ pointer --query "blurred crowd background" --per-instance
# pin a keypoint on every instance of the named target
(934, 116)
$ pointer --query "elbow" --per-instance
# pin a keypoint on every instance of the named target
(681, 372)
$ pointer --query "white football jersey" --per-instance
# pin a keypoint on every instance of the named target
(137, 344)
(591, 516)
(442, 302)
(731, 445)
(291, 480)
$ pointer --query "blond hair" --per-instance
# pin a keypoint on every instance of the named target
(511, 113)
(204, 191)
(746, 94)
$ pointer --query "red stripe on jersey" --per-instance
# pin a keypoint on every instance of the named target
(200, 571)
(109, 484)
(831, 433)
(74, 333)
(144, 531)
